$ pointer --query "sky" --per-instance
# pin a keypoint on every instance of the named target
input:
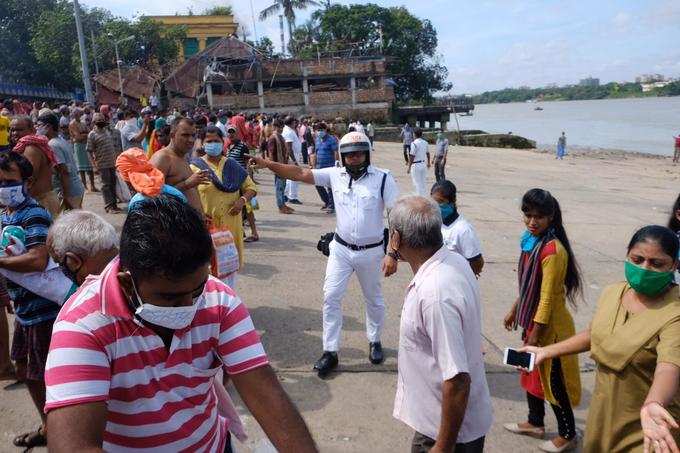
(490, 45)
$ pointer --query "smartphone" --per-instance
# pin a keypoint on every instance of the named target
(524, 360)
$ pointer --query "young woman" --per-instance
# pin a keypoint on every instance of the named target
(548, 276)
(634, 338)
(459, 234)
(674, 225)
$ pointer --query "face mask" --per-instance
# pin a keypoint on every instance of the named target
(357, 171)
(528, 241)
(174, 318)
(12, 195)
(647, 282)
(213, 149)
(100, 125)
(41, 131)
(446, 209)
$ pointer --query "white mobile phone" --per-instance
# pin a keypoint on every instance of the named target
(515, 358)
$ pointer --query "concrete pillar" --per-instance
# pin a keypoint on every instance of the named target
(353, 87)
(432, 124)
(444, 126)
(201, 44)
(421, 124)
(305, 86)
(209, 92)
(260, 94)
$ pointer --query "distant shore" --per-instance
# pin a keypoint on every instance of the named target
(600, 153)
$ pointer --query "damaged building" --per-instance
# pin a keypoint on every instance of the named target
(230, 74)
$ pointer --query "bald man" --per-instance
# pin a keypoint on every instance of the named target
(41, 187)
(172, 161)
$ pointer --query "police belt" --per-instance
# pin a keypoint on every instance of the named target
(354, 247)
(419, 162)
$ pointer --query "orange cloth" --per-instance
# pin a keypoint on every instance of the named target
(135, 168)
(39, 142)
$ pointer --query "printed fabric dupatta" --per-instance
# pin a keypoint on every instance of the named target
(529, 274)
(232, 176)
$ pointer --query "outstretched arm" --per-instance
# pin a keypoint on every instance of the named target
(292, 172)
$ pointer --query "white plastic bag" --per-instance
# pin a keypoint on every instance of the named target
(122, 190)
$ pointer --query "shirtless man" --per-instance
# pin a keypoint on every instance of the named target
(172, 161)
(41, 189)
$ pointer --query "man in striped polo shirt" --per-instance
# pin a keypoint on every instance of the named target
(136, 351)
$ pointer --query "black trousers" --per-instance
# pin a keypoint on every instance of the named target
(407, 150)
(566, 426)
(422, 444)
(326, 195)
(109, 179)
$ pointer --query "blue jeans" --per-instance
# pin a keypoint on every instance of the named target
(280, 184)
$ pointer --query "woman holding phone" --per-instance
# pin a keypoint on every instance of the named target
(548, 276)
(634, 338)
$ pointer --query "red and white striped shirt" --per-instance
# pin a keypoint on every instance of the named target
(157, 399)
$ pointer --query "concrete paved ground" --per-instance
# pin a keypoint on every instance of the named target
(604, 199)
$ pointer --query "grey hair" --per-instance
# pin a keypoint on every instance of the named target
(24, 118)
(81, 232)
(418, 221)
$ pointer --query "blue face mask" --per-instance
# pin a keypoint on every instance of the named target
(528, 241)
(446, 209)
(213, 149)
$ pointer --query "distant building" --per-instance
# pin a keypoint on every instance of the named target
(589, 82)
(649, 78)
(201, 31)
(650, 86)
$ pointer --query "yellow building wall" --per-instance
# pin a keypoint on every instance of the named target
(200, 28)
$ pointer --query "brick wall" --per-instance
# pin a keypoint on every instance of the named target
(237, 101)
(384, 94)
(330, 97)
(273, 99)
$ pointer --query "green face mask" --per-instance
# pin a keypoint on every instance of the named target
(644, 281)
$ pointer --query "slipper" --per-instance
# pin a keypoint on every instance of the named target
(31, 439)
(14, 385)
(251, 239)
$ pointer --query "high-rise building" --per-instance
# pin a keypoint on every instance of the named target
(589, 82)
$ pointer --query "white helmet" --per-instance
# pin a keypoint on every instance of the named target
(353, 142)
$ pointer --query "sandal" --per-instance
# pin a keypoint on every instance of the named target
(31, 439)
(251, 239)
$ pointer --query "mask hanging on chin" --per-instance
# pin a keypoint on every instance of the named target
(173, 318)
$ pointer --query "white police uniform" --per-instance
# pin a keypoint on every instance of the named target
(359, 208)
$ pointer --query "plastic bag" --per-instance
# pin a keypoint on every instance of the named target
(254, 204)
(225, 260)
(122, 190)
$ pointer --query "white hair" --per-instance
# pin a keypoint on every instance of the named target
(418, 221)
(81, 232)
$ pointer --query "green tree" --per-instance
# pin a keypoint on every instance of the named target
(288, 8)
(263, 45)
(225, 10)
(410, 43)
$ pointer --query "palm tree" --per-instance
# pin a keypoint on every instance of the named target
(288, 7)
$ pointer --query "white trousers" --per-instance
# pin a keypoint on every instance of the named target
(342, 263)
(418, 176)
(292, 190)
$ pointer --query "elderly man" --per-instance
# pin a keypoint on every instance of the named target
(103, 149)
(174, 327)
(78, 130)
(36, 149)
(441, 388)
(82, 243)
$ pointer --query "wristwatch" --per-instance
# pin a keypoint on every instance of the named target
(393, 255)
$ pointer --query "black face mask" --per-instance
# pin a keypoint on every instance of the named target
(102, 125)
(357, 171)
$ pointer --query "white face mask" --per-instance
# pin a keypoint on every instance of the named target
(174, 318)
(12, 195)
(41, 131)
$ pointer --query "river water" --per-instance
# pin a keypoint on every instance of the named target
(645, 125)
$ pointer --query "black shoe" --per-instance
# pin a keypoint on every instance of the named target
(296, 201)
(375, 354)
(285, 199)
(327, 363)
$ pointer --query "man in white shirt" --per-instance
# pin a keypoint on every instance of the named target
(370, 132)
(361, 194)
(130, 133)
(419, 163)
(359, 127)
(459, 234)
(442, 391)
(294, 147)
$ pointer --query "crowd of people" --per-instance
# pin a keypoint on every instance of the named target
(125, 343)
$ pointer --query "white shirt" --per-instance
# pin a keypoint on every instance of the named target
(128, 132)
(290, 136)
(461, 237)
(441, 337)
(419, 150)
(221, 127)
(359, 128)
(359, 209)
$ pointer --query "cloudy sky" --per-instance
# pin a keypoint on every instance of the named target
(490, 45)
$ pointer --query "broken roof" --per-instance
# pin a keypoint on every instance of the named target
(137, 81)
(188, 78)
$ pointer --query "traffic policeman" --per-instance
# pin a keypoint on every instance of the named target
(361, 193)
